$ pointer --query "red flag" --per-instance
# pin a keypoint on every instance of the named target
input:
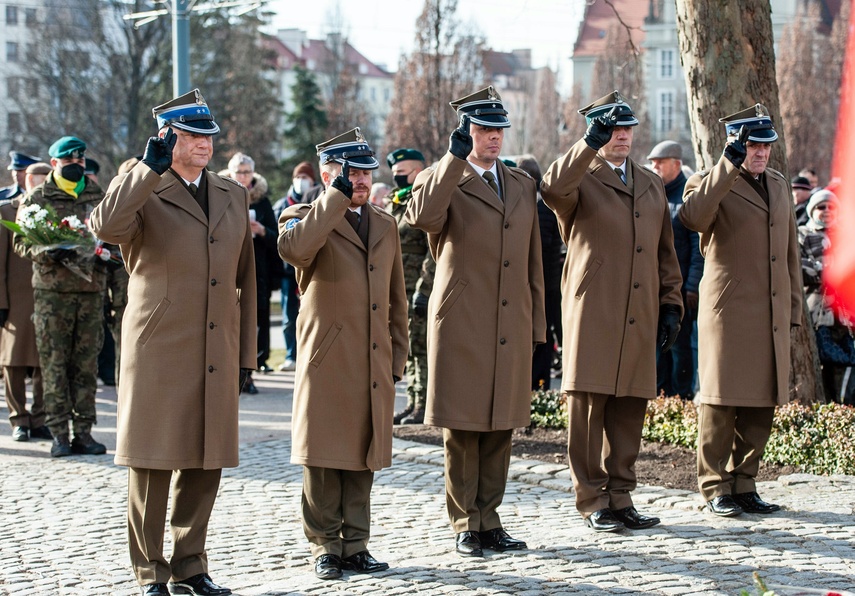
(840, 269)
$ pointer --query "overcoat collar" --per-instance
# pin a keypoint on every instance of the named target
(172, 191)
(377, 228)
(637, 182)
(471, 183)
(742, 188)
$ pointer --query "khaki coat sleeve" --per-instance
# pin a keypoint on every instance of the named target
(432, 191)
(245, 282)
(398, 313)
(535, 276)
(299, 243)
(703, 195)
(118, 218)
(795, 268)
(670, 278)
(560, 187)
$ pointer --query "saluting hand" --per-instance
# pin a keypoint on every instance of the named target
(460, 141)
(158, 152)
(600, 129)
(735, 151)
(342, 182)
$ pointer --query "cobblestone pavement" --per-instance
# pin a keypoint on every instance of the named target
(62, 527)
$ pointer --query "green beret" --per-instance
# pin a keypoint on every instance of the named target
(403, 155)
(67, 147)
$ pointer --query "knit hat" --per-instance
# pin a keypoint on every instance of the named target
(306, 169)
(820, 196)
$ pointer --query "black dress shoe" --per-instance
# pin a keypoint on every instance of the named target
(41, 432)
(61, 446)
(328, 566)
(724, 506)
(417, 416)
(21, 434)
(199, 585)
(250, 387)
(363, 562)
(499, 540)
(604, 520)
(469, 544)
(396, 419)
(633, 520)
(752, 503)
(84, 444)
(154, 590)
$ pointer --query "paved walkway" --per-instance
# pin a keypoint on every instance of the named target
(62, 527)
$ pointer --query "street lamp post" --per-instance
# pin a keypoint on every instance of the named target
(181, 46)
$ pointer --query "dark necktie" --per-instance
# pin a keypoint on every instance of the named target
(619, 172)
(491, 181)
(353, 218)
(192, 187)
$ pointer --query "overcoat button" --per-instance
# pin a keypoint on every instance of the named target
(373, 307)
(774, 258)
(507, 263)
(631, 321)
(371, 267)
(211, 325)
(504, 302)
(507, 225)
(211, 239)
(637, 249)
(635, 285)
(374, 346)
(210, 369)
(374, 384)
(502, 341)
(637, 214)
(213, 282)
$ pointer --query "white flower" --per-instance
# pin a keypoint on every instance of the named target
(74, 223)
(31, 214)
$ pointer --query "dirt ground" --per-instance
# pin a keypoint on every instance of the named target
(658, 464)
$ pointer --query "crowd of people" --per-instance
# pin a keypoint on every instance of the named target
(467, 277)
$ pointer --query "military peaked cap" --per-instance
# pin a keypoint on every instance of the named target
(484, 108)
(188, 112)
(350, 147)
(20, 161)
(601, 107)
(756, 119)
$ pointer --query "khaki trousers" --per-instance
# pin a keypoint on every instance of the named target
(731, 441)
(16, 397)
(603, 440)
(336, 507)
(476, 472)
(193, 496)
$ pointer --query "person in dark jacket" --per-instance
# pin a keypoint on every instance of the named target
(264, 235)
(675, 369)
(551, 251)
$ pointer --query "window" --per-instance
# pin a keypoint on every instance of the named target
(666, 111)
(373, 94)
(14, 122)
(30, 17)
(31, 87)
(11, 15)
(11, 51)
(13, 88)
(666, 64)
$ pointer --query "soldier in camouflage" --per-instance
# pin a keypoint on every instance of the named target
(419, 268)
(68, 313)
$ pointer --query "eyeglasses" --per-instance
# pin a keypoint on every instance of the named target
(244, 173)
(824, 207)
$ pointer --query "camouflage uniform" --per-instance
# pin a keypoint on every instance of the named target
(68, 316)
(419, 268)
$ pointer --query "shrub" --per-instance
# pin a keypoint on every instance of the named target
(818, 439)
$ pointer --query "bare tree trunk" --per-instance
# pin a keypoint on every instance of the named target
(728, 57)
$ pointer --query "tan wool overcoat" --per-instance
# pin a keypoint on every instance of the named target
(351, 333)
(486, 309)
(189, 325)
(18, 335)
(620, 268)
(751, 291)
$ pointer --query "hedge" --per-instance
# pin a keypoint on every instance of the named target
(818, 439)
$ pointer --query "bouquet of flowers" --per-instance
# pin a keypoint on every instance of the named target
(43, 230)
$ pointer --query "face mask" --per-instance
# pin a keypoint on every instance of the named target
(401, 181)
(301, 185)
(73, 172)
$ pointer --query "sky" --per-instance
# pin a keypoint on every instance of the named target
(384, 29)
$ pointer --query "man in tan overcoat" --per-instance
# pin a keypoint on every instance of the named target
(485, 314)
(620, 299)
(352, 348)
(750, 296)
(188, 339)
(18, 351)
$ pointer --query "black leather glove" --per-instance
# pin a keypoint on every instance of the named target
(669, 326)
(600, 130)
(342, 182)
(460, 141)
(420, 304)
(735, 150)
(242, 378)
(4, 316)
(62, 255)
(396, 378)
(158, 152)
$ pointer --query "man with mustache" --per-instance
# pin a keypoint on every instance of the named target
(620, 300)
(351, 350)
(485, 314)
(750, 296)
